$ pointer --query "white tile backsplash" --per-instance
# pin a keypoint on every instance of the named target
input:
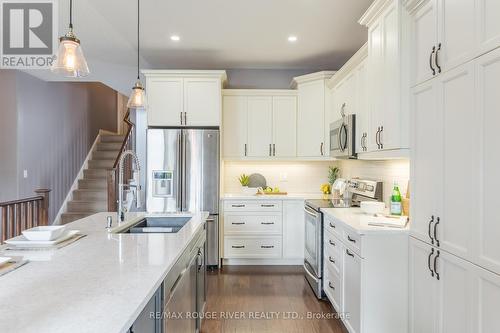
(293, 177)
(307, 177)
(386, 171)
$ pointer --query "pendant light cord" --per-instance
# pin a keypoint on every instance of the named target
(71, 14)
(138, 42)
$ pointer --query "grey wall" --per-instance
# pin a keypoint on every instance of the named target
(262, 78)
(57, 123)
(8, 137)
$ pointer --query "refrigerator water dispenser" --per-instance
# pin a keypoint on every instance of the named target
(163, 184)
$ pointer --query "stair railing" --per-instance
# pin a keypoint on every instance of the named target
(22, 214)
(112, 174)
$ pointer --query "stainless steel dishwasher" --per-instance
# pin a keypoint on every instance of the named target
(184, 289)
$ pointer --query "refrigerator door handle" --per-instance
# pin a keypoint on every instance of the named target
(183, 172)
(179, 172)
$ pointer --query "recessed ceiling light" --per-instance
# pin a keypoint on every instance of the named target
(175, 38)
(292, 39)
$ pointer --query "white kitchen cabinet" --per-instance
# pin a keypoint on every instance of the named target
(445, 124)
(260, 126)
(388, 80)
(284, 126)
(362, 109)
(165, 101)
(449, 294)
(352, 290)
(422, 289)
(184, 98)
(264, 229)
(448, 33)
(202, 102)
(293, 229)
(371, 270)
(426, 152)
(486, 125)
(313, 119)
(424, 36)
(234, 126)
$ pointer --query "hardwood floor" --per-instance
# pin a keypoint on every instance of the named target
(265, 299)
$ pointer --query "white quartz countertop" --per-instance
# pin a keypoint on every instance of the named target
(357, 221)
(100, 283)
(289, 196)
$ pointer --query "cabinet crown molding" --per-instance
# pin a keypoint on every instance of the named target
(412, 5)
(323, 75)
(259, 92)
(186, 73)
(349, 66)
(374, 11)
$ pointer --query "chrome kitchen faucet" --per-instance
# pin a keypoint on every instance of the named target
(121, 185)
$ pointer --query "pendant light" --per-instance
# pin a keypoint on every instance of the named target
(70, 61)
(137, 98)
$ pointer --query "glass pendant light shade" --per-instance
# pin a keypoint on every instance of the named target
(70, 61)
(137, 99)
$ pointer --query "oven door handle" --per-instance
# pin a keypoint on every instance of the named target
(310, 212)
(314, 277)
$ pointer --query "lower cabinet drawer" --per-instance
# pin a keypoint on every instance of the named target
(332, 285)
(253, 223)
(252, 247)
(332, 253)
(252, 206)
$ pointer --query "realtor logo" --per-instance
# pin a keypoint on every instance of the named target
(29, 33)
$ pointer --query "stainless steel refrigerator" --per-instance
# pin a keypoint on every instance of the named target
(183, 175)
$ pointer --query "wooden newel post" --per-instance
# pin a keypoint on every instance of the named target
(111, 179)
(44, 207)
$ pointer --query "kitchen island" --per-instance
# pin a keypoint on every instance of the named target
(100, 283)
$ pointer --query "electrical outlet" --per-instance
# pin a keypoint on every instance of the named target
(25, 173)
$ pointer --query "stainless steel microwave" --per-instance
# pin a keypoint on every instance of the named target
(343, 137)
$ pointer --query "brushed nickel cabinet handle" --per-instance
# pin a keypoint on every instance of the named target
(238, 246)
(267, 246)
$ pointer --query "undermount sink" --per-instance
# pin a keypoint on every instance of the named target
(160, 224)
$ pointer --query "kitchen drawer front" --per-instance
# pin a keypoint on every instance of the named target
(352, 241)
(252, 206)
(332, 285)
(252, 223)
(332, 225)
(332, 251)
(252, 247)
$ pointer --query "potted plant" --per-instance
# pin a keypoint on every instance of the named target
(333, 174)
(244, 181)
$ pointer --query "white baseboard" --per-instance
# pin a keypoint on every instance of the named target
(263, 262)
(69, 196)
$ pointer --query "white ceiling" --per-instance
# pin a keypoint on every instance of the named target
(241, 33)
(215, 34)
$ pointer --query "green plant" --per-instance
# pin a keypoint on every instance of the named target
(244, 180)
(333, 174)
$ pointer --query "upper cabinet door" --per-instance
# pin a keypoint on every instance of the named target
(488, 24)
(487, 117)
(311, 120)
(424, 41)
(362, 104)
(426, 171)
(460, 151)
(234, 127)
(260, 126)
(202, 101)
(456, 33)
(284, 126)
(376, 83)
(165, 99)
(422, 288)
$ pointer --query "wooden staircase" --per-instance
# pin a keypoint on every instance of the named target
(92, 194)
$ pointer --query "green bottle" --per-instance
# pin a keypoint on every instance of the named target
(396, 200)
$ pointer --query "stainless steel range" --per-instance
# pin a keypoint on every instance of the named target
(357, 190)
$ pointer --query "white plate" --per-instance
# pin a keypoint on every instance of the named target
(22, 241)
(4, 260)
